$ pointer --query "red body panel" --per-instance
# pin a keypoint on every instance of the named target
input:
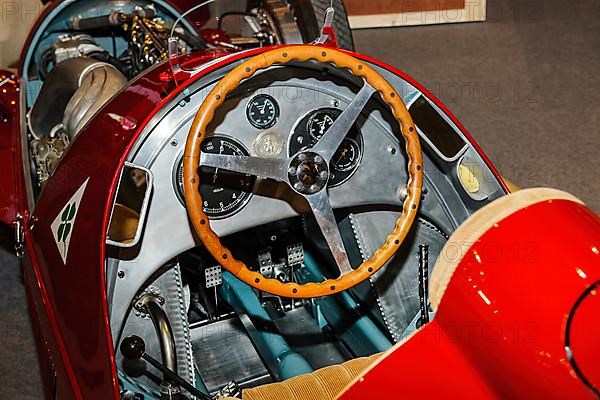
(13, 199)
(500, 329)
(74, 294)
(583, 337)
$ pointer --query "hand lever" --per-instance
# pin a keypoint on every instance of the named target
(134, 348)
(328, 36)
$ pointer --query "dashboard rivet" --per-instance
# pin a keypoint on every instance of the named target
(324, 174)
(121, 274)
(298, 186)
(318, 159)
(300, 139)
(301, 157)
(174, 142)
(292, 170)
(314, 188)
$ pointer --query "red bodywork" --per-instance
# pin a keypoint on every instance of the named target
(501, 328)
(69, 308)
(13, 199)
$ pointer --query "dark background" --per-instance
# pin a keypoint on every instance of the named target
(524, 83)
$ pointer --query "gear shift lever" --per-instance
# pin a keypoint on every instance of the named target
(134, 348)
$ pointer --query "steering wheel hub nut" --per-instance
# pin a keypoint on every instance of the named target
(308, 173)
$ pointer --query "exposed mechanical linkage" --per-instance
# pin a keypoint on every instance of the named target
(134, 348)
(423, 284)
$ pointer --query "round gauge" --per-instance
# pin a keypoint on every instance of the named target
(347, 155)
(309, 131)
(223, 192)
(319, 123)
(262, 111)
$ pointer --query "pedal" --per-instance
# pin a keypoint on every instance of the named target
(265, 264)
(213, 276)
(295, 254)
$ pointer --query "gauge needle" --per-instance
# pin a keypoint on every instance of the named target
(322, 124)
(217, 169)
(342, 155)
(262, 110)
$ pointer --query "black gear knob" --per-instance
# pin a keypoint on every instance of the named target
(133, 347)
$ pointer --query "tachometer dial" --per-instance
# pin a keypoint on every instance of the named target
(262, 111)
(223, 192)
(310, 130)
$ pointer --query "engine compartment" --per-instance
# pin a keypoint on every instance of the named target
(84, 53)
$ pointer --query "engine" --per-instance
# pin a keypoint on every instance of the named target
(80, 75)
(86, 55)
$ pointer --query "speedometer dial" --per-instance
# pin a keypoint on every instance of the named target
(223, 192)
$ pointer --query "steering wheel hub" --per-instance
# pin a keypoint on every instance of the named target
(308, 173)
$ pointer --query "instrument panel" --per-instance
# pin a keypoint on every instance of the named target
(224, 193)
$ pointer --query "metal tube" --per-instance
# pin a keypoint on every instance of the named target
(164, 332)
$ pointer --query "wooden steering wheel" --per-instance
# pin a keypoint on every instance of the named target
(306, 172)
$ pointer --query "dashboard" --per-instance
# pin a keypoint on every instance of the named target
(279, 112)
(225, 193)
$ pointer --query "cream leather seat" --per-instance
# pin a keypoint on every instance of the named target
(325, 383)
(124, 224)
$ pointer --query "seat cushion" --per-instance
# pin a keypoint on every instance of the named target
(324, 384)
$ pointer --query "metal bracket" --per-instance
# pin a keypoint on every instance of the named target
(423, 284)
(19, 236)
(151, 293)
(232, 389)
(328, 36)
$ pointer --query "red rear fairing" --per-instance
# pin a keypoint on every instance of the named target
(500, 330)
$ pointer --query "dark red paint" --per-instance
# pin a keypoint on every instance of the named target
(12, 193)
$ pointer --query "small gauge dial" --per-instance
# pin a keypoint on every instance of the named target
(319, 123)
(262, 111)
(347, 155)
(223, 192)
(312, 128)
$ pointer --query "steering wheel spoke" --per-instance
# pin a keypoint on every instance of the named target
(334, 136)
(263, 167)
(323, 212)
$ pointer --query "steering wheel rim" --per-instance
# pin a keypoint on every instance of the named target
(192, 157)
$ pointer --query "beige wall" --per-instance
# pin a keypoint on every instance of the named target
(16, 18)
